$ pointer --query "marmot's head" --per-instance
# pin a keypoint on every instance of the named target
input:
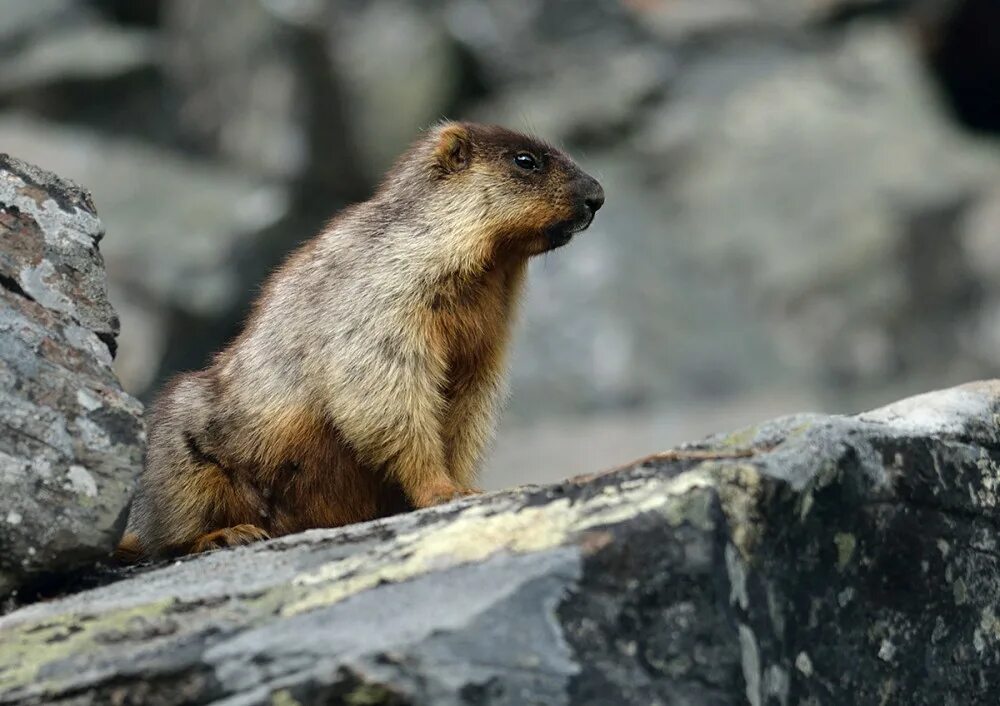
(514, 192)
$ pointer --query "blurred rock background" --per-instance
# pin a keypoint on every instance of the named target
(803, 196)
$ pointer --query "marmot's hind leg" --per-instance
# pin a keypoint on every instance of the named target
(192, 494)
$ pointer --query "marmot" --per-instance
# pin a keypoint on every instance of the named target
(369, 374)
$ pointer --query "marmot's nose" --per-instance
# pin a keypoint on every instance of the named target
(593, 195)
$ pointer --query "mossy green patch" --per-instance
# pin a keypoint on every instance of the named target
(846, 543)
(740, 491)
(30, 646)
(960, 592)
(370, 695)
(284, 698)
(478, 533)
(737, 440)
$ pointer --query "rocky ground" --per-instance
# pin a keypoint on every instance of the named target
(809, 560)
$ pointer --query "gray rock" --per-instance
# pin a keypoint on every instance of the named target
(183, 227)
(51, 42)
(807, 560)
(70, 438)
(685, 19)
(21, 19)
(170, 250)
(88, 51)
(386, 106)
(263, 93)
(797, 178)
(768, 224)
(239, 89)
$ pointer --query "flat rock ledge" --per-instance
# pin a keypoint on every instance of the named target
(808, 560)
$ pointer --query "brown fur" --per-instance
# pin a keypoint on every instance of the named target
(369, 375)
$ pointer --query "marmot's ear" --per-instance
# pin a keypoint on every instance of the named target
(454, 149)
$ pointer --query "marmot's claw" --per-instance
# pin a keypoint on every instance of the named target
(442, 493)
(229, 537)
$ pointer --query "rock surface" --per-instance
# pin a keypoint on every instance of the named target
(809, 560)
(70, 438)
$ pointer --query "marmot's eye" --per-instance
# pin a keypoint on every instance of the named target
(525, 160)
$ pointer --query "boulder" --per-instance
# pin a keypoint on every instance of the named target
(187, 234)
(767, 225)
(809, 560)
(70, 438)
(58, 42)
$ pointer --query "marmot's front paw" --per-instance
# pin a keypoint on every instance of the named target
(229, 537)
(441, 492)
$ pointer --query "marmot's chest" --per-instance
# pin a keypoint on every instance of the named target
(467, 316)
